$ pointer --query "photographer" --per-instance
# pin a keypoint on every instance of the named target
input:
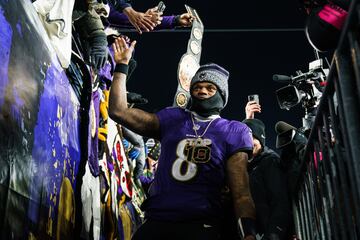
(267, 181)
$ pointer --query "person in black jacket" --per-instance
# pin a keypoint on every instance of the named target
(268, 187)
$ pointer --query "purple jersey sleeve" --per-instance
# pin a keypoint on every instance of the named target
(168, 22)
(239, 139)
(118, 19)
(120, 5)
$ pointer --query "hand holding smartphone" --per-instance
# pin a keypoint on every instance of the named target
(251, 108)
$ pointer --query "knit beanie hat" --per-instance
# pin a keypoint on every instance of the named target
(215, 74)
(258, 129)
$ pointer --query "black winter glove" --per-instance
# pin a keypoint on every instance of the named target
(136, 98)
(98, 50)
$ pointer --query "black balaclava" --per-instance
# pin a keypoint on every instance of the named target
(209, 106)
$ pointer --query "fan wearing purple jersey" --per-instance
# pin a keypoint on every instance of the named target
(201, 153)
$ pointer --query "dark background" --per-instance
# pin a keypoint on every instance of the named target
(252, 39)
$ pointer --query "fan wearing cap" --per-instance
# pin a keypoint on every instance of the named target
(201, 152)
(268, 186)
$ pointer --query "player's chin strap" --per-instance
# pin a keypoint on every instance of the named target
(247, 227)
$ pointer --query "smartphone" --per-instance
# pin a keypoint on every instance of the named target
(161, 6)
(254, 97)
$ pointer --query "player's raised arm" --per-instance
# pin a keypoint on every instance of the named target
(139, 121)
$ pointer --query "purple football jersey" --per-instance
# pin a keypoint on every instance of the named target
(191, 171)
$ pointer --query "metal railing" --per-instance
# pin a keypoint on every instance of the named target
(327, 201)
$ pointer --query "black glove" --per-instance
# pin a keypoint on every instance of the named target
(136, 98)
(98, 50)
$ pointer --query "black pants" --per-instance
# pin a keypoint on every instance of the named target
(158, 230)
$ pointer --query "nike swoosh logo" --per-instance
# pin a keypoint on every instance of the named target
(207, 226)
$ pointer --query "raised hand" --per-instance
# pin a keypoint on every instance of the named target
(98, 50)
(122, 51)
(185, 20)
(140, 21)
(156, 17)
(251, 108)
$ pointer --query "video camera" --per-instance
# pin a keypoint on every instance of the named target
(305, 88)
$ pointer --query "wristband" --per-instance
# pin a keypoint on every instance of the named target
(177, 21)
(247, 227)
(122, 68)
